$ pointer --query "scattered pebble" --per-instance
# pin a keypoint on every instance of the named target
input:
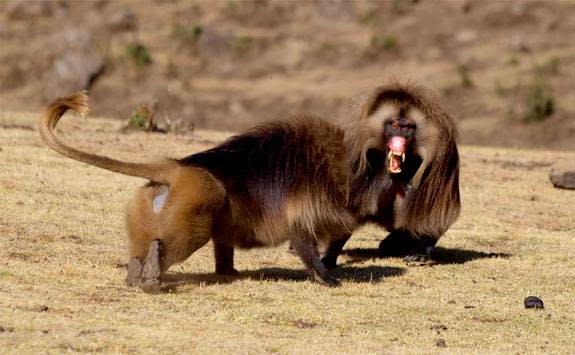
(441, 343)
(533, 302)
(41, 308)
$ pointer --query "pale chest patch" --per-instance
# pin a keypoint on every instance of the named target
(160, 200)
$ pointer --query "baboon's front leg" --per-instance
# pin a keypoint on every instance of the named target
(306, 249)
(224, 254)
(333, 250)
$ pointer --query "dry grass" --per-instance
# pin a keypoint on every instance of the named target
(62, 258)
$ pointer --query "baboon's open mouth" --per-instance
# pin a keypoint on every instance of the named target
(396, 155)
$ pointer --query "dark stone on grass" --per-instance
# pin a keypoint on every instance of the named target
(563, 178)
(533, 302)
(441, 343)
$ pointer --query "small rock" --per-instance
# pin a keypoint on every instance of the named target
(6, 329)
(469, 306)
(41, 308)
(519, 44)
(123, 20)
(533, 302)
(466, 36)
(441, 343)
(563, 178)
(300, 323)
(25, 9)
(77, 63)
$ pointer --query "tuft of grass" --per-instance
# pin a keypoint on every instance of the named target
(540, 103)
(241, 45)
(187, 35)
(381, 43)
(464, 77)
(138, 54)
(401, 7)
(499, 89)
(139, 117)
(549, 67)
(513, 60)
(368, 17)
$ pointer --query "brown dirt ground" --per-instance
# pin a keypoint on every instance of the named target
(62, 255)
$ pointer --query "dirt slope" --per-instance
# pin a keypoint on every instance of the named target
(62, 255)
(229, 64)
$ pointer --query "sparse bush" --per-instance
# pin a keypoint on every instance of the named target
(380, 43)
(139, 117)
(540, 102)
(241, 45)
(550, 67)
(499, 89)
(464, 76)
(513, 60)
(187, 35)
(368, 17)
(138, 54)
(401, 7)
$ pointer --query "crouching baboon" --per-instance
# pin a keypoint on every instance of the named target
(281, 181)
(404, 171)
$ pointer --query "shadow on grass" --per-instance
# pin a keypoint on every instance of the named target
(440, 255)
(372, 274)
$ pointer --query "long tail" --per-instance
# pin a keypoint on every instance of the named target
(158, 172)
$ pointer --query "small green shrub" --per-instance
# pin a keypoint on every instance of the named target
(550, 67)
(138, 54)
(241, 45)
(540, 103)
(380, 43)
(513, 60)
(464, 77)
(187, 35)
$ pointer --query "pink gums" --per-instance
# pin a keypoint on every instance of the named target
(396, 144)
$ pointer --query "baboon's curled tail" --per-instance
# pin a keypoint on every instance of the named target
(158, 172)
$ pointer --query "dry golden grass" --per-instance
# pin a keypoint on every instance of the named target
(62, 258)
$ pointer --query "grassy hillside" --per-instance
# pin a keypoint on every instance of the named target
(63, 254)
(505, 68)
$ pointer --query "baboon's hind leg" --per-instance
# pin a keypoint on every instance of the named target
(306, 249)
(134, 277)
(147, 274)
(152, 268)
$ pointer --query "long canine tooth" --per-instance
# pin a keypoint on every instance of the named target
(402, 157)
(389, 155)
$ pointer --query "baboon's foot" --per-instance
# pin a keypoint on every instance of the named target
(326, 279)
(228, 271)
(134, 277)
(399, 243)
(418, 259)
(152, 269)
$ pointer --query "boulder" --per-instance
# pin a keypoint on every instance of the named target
(76, 65)
(563, 177)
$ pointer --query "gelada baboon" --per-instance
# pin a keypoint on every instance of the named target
(404, 171)
(281, 181)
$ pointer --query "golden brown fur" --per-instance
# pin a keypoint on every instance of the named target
(281, 181)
